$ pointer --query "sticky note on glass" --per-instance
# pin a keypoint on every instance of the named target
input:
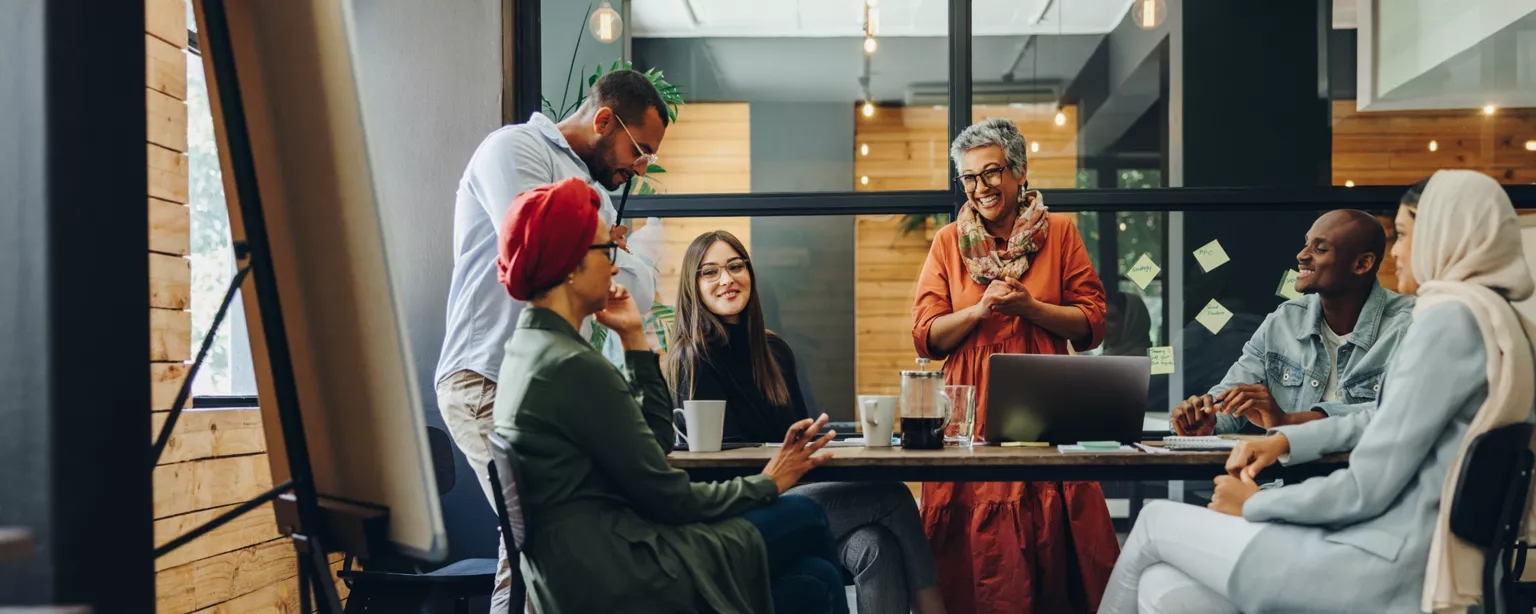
(1162, 360)
(1211, 255)
(1143, 272)
(1287, 289)
(1213, 317)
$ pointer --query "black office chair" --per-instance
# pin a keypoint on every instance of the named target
(1487, 509)
(396, 587)
(505, 475)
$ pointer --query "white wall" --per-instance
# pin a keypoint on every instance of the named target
(1415, 36)
(430, 81)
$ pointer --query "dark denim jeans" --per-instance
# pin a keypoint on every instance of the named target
(802, 556)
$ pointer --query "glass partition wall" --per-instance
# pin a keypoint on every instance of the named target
(817, 131)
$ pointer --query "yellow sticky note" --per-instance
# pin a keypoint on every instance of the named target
(1162, 360)
(1287, 289)
(1143, 272)
(1211, 255)
(1213, 317)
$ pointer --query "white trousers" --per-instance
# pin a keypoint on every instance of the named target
(1177, 560)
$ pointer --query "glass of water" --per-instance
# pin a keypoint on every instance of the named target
(961, 405)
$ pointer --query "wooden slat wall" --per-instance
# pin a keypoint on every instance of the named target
(907, 151)
(216, 459)
(1392, 148)
(708, 150)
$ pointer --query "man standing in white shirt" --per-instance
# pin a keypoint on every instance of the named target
(611, 139)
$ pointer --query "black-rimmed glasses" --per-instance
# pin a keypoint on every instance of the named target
(613, 250)
(991, 177)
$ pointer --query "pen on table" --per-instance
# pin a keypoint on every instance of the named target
(1026, 444)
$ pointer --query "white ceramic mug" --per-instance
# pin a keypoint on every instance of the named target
(878, 415)
(705, 420)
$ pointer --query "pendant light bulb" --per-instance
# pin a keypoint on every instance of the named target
(869, 44)
(869, 109)
(1149, 14)
(605, 24)
(1061, 118)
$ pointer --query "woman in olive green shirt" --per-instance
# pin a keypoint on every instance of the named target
(612, 526)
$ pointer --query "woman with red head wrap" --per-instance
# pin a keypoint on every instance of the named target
(611, 525)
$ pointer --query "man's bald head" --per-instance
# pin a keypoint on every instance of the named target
(1343, 252)
(1359, 232)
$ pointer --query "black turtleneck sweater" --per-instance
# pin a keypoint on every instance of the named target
(726, 375)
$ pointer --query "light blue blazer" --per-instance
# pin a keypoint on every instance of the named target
(1358, 539)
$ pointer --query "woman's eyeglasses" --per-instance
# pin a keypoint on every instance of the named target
(613, 250)
(991, 177)
(710, 273)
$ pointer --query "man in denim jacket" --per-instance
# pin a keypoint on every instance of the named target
(1323, 354)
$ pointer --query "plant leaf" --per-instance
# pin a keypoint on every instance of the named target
(653, 169)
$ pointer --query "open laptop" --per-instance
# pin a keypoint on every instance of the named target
(1066, 399)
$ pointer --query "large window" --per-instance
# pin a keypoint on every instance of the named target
(1160, 132)
(227, 371)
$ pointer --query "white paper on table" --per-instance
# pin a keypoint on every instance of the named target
(1143, 272)
(1211, 255)
(1213, 317)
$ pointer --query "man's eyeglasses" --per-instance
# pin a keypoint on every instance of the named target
(991, 177)
(644, 158)
(736, 267)
(613, 250)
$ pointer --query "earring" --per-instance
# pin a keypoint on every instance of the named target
(570, 279)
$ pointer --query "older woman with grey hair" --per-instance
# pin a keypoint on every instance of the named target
(1009, 277)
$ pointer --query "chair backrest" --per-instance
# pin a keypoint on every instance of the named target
(1492, 486)
(505, 476)
(440, 446)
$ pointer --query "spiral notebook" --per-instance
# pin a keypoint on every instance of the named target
(1206, 443)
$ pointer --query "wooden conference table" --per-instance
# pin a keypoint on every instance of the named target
(988, 464)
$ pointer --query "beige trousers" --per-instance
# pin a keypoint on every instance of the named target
(466, 399)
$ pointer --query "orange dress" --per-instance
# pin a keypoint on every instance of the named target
(1014, 546)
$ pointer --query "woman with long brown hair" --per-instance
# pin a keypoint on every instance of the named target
(721, 350)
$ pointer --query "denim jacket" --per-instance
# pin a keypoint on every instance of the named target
(1288, 356)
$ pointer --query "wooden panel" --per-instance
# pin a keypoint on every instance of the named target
(165, 68)
(254, 527)
(909, 146)
(200, 485)
(280, 598)
(164, 382)
(170, 335)
(708, 150)
(170, 228)
(170, 282)
(167, 21)
(167, 174)
(167, 120)
(209, 433)
(214, 580)
(1392, 148)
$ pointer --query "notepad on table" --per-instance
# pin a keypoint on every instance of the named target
(1088, 449)
(1207, 443)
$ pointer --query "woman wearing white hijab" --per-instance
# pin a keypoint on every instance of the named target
(1372, 537)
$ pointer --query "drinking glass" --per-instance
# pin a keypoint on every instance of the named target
(960, 402)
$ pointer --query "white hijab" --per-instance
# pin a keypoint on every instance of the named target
(1467, 249)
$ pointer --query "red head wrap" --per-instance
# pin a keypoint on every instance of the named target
(545, 235)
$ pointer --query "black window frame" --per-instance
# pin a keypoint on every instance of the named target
(523, 54)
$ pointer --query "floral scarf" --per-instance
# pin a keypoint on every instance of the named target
(983, 260)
